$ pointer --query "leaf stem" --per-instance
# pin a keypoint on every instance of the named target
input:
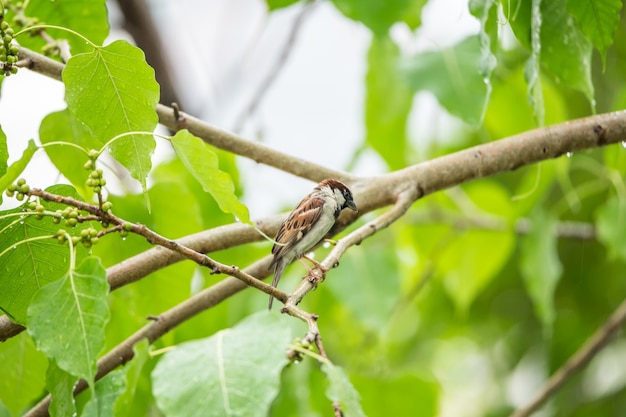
(30, 239)
(123, 135)
(44, 145)
(37, 27)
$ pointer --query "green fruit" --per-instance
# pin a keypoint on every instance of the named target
(97, 189)
(40, 209)
(19, 196)
(10, 193)
(94, 154)
(107, 205)
(94, 174)
(25, 188)
(32, 205)
(103, 182)
(14, 70)
(9, 31)
(71, 222)
(4, 25)
(21, 181)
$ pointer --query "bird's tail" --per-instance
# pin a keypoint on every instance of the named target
(278, 272)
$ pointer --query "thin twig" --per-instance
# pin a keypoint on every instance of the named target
(272, 75)
(156, 239)
(577, 361)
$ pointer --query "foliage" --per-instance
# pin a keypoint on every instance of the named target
(480, 285)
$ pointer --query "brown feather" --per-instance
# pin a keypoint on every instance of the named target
(298, 224)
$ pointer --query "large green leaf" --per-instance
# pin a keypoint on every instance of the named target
(378, 15)
(202, 162)
(23, 369)
(67, 318)
(341, 390)
(387, 103)
(112, 90)
(598, 20)
(87, 17)
(455, 76)
(17, 167)
(540, 265)
(62, 126)
(235, 372)
(32, 265)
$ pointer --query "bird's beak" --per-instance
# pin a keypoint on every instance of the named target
(351, 205)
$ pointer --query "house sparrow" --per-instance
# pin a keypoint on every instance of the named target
(308, 224)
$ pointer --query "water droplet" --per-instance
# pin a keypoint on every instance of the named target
(124, 238)
(568, 154)
(14, 247)
(89, 252)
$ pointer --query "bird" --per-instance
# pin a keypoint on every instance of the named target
(308, 224)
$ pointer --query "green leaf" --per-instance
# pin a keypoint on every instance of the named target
(413, 14)
(486, 11)
(112, 90)
(598, 19)
(17, 167)
(202, 162)
(131, 374)
(611, 227)
(373, 304)
(565, 51)
(387, 103)
(235, 372)
(4, 154)
(23, 369)
(60, 384)
(533, 65)
(67, 318)
(279, 4)
(378, 15)
(62, 126)
(467, 267)
(114, 394)
(87, 17)
(388, 395)
(540, 265)
(341, 390)
(32, 265)
(455, 76)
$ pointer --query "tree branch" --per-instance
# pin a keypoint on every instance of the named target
(577, 361)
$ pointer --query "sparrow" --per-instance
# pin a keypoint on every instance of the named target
(308, 224)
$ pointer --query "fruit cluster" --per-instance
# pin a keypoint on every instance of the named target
(18, 189)
(95, 180)
(8, 51)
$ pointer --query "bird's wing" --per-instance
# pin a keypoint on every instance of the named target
(298, 224)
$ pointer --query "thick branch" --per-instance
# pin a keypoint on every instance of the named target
(577, 361)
